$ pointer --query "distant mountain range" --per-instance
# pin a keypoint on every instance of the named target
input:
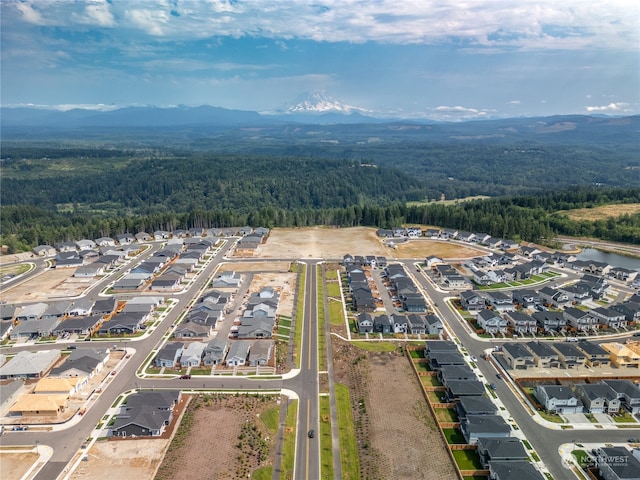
(339, 122)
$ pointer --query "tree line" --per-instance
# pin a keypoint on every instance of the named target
(535, 218)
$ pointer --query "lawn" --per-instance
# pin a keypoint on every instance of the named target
(434, 397)
(446, 415)
(271, 418)
(431, 381)
(326, 446)
(623, 417)
(289, 444)
(416, 353)
(454, 436)
(336, 312)
(467, 459)
(375, 346)
(347, 435)
(552, 417)
(422, 367)
(333, 289)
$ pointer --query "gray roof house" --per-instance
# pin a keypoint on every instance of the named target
(146, 413)
(479, 405)
(596, 356)
(518, 469)
(169, 355)
(471, 301)
(500, 301)
(500, 449)
(433, 325)
(29, 364)
(261, 352)
(80, 325)
(82, 362)
(543, 355)
(364, 322)
(558, 398)
(215, 351)
(617, 463)
(491, 322)
(550, 321)
(439, 359)
(598, 397)
(32, 312)
(569, 355)
(522, 322)
(464, 388)
(417, 324)
(238, 353)
(192, 354)
(517, 356)
(609, 317)
(580, 320)
(484, 426)
(628, 393)
(456, 372)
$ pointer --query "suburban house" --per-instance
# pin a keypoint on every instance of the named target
(521, 322)
(238, 353)
(215, 352)
(382, 324)
(228, 280)
(517, 356)
(609, 317)
(491, 322)
(552, 297)
(500, 449)
(471, 301)
(81, 307)
(169, 355)
(440, 359)
(417, 324)
(433, 325)
(500, 301)
(44, 251)
(400, 323)
(558, 398)
(517, 469)
(79, 325)
(85, 362)
(479, 405)
(569, 355)
(596, 355)
(579, 319)
(484, 426)
(261, 353)
(455, 372)
(525, 298)
(192, 354)
(123, 323)
(464, 388)
(29, 364)
(543, 355)
(364, 322)
(550, 321)
(146, 413)
(617, 463)
(598, 397)
(628, 394)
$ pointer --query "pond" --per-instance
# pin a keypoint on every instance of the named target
(612, 259)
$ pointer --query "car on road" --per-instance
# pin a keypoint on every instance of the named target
(636, 334)
(185, 377)
(311, 434)
(492, 386)
(72, 347)
(474, 358)
(113, 372)
(499, 376)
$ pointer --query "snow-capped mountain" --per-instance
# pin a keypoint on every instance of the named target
(319, 102)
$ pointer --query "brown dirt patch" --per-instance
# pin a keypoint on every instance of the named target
(13, 465)
(220, 437)
(50, 284)
(397, 435)
(322, 242)
(422, 248)
(125, 460)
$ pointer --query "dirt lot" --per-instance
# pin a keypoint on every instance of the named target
(319, 242)
(240, 443)
(397, 435)
(14, 465)
(50, 284)
(123, 460)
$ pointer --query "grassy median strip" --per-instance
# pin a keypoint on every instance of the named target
(326, 444)
(289, 443)
(347, 435)
(375, 346)
(297, 335)
(322, 337)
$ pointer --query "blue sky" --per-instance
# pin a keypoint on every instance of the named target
(446, 60)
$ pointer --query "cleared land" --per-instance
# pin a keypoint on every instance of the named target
(50, 284)
(319, 242)
(13, 465)
(393, 443)
(122, 459)
(602, 213)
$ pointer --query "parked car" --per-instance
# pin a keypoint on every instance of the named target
(636, 334)
(185, 377)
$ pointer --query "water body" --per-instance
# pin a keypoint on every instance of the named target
(612, 259)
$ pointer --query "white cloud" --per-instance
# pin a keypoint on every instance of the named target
(457, 113)
(490, 24)
(619, 107)
(514, 102)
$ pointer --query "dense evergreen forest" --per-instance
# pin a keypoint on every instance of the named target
(51, 194)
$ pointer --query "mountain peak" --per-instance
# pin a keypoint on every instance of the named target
(318, 101)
